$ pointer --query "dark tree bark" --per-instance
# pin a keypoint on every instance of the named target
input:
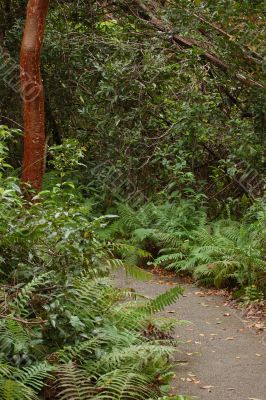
(33, 166)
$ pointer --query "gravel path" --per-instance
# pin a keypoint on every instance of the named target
(225, 360)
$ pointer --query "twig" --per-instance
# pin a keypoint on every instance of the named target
(23, 321)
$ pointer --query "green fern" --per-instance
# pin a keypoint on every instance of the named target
(135, 316)
(124, 385)
(14, 338)
(25, 383)
(14, 390)
(138, 273)
(102, 349)
(228, 253)
(137, 356)
(35, 375)
(21, 303)
(73, 383)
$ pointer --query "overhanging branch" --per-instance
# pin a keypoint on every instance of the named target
(145, 14)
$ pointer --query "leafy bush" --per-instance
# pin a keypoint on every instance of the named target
(65, 331)
(56, 232)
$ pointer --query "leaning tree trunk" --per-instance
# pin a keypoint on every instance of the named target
(32, 93)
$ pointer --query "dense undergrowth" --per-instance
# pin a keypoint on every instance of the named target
(65, 331)
(223, 253)
(164, 104)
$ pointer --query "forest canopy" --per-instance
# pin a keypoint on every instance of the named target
(171, 89)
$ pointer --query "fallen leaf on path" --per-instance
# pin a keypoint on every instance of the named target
(193, 379)
(259, 326)
(209, 387)
(230, 338)
(201, 294)
(258, 355)
(227, 314)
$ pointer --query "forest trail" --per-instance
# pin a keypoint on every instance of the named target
(225, 360)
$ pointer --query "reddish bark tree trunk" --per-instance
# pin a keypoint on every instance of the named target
(32, 93)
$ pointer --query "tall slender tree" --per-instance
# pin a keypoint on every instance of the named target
(33, 94)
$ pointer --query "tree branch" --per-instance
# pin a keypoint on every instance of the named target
(146, 15)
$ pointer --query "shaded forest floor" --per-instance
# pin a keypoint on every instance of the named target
(222, 358)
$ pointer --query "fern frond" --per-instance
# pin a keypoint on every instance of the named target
(135, 316)
(81, 351)
(138, 273)
(73, 383)
(14, 390)
(124, 385)
(20, 304)
(13, 337)
(165, 299)
(35, 375)
(137, 356)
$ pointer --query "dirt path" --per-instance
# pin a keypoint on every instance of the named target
(225, 359)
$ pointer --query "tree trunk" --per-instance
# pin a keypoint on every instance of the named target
(33, 95)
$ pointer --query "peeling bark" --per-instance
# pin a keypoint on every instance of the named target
(33, 94)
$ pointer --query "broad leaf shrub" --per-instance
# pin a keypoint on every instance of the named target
(65, 331)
